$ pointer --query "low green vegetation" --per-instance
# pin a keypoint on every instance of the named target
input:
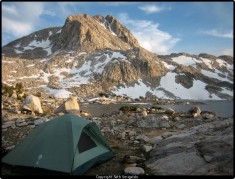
(38, 94)
(157, 108)
(18, 89)
(21, 98)
(48, 109)
(103, 95)
(8, 90)
(129, 108)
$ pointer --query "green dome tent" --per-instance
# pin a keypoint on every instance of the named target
(67, 144)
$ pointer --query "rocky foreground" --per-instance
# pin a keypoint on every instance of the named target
(145, 141)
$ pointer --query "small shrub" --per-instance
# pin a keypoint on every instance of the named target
(38, 94)
(134, 107)
(19, 87)
(48, 110)
(9, 90)
(19, 97)
(157, 107)
(25, 95)
(129, 108)
(124, 108)
(101, 94)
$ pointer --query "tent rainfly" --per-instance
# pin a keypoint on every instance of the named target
(67, 144)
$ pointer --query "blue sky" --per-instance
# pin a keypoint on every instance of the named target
(161, 27)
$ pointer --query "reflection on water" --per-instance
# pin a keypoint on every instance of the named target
(221, 108)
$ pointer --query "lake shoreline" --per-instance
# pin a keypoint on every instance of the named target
(223, 108)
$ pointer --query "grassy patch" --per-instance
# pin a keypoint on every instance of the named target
(157, 108)
(129, 108)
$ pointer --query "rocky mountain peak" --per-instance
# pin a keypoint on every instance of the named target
(116, 27)
(86, 32)
(80, 32)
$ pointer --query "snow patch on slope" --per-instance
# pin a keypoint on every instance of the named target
(58, 93)
(59, 31)
(186, 61)
(17, 51)
(133, 91)
(170, 67)
(34, 44)
(224, 63)
(45, 44)
(84, 74)
(214, 75)
(196, 92)
(109, 28)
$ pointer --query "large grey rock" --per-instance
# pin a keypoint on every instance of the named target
(142, 138)
(147, 148)
(32, 103)
(134, 171)
(215, 152)
(183, 163)
(153, 122)
(155, 140)
(200, 150)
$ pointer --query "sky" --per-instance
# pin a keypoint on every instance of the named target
(160, 27)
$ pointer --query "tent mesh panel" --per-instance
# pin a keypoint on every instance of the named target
(85, 143)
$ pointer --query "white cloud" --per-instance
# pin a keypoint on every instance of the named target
(148, 34)
(10, 10)
(216, 33)
(150, 9)
(228, 51)
(16, 28)
(20, 19)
